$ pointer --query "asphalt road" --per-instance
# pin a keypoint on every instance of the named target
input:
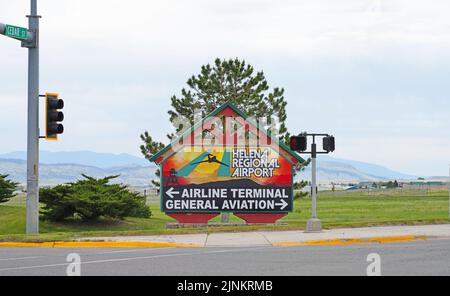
(418, 258)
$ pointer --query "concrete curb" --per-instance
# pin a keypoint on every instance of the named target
(137, 245)
(355, 241)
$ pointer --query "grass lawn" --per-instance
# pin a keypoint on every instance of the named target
(334, 209)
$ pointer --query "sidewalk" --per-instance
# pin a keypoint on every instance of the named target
(387, 234)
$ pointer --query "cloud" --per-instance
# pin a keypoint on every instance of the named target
(362, 69)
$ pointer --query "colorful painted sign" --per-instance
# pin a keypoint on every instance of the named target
(226, 179)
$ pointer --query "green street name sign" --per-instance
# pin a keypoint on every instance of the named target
(16, 32)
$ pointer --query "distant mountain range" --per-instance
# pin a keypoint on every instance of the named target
(331, 169)
(62, 167)
(86, 158)
(53, 174)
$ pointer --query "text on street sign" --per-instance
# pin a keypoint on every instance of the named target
(16, 32)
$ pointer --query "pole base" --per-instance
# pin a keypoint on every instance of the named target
(313, 225)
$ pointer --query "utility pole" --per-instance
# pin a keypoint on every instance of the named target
(32, 226)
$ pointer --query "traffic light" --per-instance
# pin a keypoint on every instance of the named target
(53, 116)
(299, 143)
(329, 144)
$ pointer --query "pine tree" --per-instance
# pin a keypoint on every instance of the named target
(232, 81)
(7, 188)
(148, 149)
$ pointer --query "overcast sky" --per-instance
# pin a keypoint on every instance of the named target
(374, 73)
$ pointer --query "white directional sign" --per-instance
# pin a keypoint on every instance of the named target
(225, 199)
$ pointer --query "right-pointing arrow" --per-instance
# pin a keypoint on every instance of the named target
(283, 204)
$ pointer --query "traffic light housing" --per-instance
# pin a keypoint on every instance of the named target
(299, 143)
(329, 144)
(53, 116)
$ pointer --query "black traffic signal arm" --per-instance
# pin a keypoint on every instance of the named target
(314, 153)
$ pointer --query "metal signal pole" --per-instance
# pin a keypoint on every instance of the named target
(30, 39)
(299, 144)
(32, 226)
(54, 116)
(314, 224)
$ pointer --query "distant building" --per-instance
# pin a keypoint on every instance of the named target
(426, 184)
(366, 185)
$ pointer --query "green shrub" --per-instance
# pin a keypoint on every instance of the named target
(91, 199)
(7, 188)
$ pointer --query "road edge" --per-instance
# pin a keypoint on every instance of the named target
(97, 245)
(137, 245)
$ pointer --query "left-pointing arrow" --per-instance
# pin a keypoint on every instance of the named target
(171, 192)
